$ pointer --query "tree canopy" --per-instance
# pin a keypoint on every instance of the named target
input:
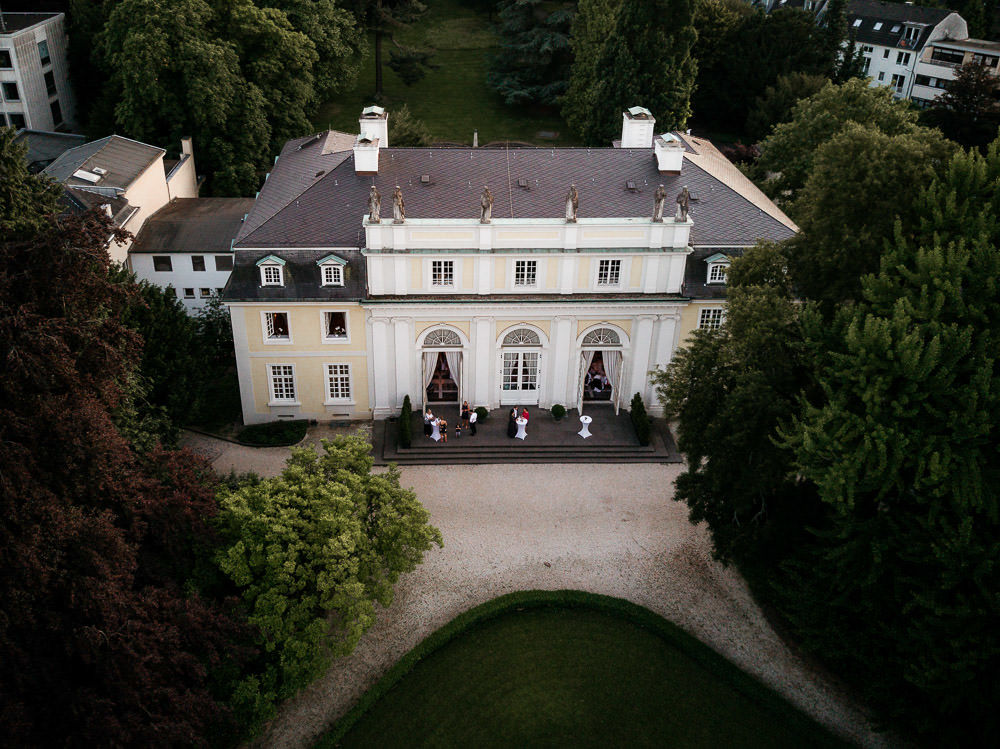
(27, 203)
(592, 25)
(323, 542)
(532, 64)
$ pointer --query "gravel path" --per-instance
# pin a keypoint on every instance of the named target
(609, 529)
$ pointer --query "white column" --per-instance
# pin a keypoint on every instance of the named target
(567, 273)
(563, 372)
(643, 344)
(383, 371)
(650, 273)
(403, 332)
(402, 266)
(375, 283)
(666, 340)
(675, 276)
(484, 273)
(481, 360)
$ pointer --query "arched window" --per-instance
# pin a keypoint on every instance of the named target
(602, 337)
(522, 337)
(442, 337)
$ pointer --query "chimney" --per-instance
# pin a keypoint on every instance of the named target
(637, 128)
(366, 155)
(669, 153)
(187, 146)
(374, 125)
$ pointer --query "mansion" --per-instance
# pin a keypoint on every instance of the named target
(531, 276)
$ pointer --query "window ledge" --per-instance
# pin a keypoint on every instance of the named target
(277, 341)
(339, 403)
(335, 341)
(281, 404)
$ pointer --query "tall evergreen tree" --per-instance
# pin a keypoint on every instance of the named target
(646, 61)
(383, 18)
(593, 24)
(532, 65)
(27, 202)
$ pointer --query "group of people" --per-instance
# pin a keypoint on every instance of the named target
(512, 421)
(467, 422)
(596, 382)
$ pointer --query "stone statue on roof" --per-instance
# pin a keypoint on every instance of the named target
(660, 198)
(572, 203)
(683, 204)
(486, 206)
(374, 205)
(398, 213)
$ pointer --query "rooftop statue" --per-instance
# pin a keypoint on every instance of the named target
(374, 205)
(398, 212)
(660, 198)
(572, 203)
(683, 204)
(486, 206)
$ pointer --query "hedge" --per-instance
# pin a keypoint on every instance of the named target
(640, 420)
(274, 433)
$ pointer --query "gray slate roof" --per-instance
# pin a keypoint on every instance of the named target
(302, 278)
(193, 225)
(123, 158)
(301, 163)
(298, 207)
(16, 22)
(44, 147)
(891, 14)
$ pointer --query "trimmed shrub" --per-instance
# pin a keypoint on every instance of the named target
(405, 422)
(482, 413)
(558, 411)
(274, 433)
(640, 420)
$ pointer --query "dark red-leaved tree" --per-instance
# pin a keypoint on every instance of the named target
(100, 641)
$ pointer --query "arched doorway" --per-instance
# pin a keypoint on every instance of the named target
(601, 366)
(441, 359)
(520, 375)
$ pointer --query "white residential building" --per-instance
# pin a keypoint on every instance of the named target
(938, 65)
(34, 76)
(188, 245)
(128, 179)
(892, 37)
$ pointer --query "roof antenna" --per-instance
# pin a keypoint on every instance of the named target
(475, 139)
(3, 23)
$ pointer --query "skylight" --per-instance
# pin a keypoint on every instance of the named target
(878, 26)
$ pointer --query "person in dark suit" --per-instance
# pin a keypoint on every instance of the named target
(512, 423)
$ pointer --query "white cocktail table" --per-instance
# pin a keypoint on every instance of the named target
(585, 432)
(521, 433)
(436, 434)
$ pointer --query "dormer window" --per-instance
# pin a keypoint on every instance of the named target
(718, 266)
(331, 269)
(272, 271)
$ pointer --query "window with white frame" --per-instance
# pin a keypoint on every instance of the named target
(338, 382)
(902, 58)
(525, 272)
(272, 275)
(198, 262)
(442, 273)
(276, 326)
(162, 263)
(333, 275)
(711, 318)
(205, 293)
(717, 272)
(335, 327)
(188, 293)
(609, 272)
(282, 380)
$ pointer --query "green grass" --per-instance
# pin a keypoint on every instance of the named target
(568, 668)
(452, 100)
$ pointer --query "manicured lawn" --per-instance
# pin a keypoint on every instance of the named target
(559, 675)
(454, 99)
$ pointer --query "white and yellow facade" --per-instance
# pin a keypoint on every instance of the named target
(518, 307)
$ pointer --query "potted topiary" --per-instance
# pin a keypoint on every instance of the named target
(558, 412)
(482, 413)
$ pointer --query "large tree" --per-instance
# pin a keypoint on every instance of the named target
(593, 23)
(850, 203)
(646, 62)
(902, 445)
(789, 151)
(313, 551)
(532, 64)
(101, 642)
(967, 111)
(775, 105)
(383, 18)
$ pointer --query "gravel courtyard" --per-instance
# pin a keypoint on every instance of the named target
(609, 529)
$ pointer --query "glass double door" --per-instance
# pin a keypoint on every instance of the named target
(520, 377)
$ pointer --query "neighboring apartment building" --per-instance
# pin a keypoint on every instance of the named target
(128, 179)
(187, 245)
(893, 36)
(34, 77)
(940, 61)
(455, 296)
